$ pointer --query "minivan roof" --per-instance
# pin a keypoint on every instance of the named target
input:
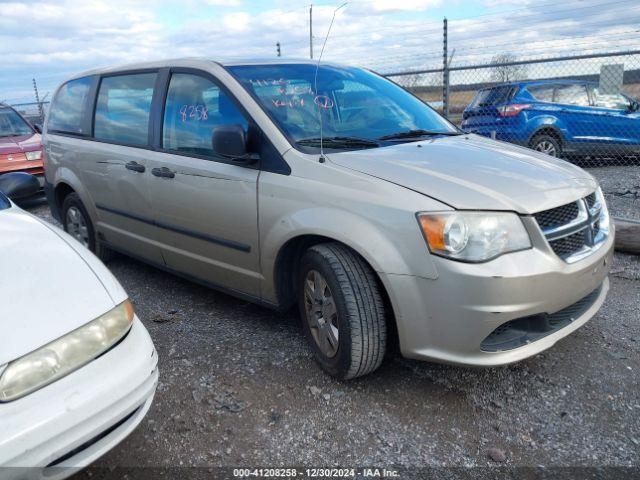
(195, 62)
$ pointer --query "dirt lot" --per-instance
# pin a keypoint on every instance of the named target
(238, 387)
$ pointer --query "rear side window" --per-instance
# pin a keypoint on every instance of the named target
(542, 93)
(66, 112)
(195, 106)
(123, 108)
(572, 95)
(493, 96)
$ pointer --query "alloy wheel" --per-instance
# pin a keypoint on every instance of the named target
(322, 314)
(546, 147)
(76, 226)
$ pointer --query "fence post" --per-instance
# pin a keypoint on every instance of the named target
(445, 71)
(35, 89)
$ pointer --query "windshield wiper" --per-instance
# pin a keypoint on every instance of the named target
(416, 134)
(339, 142)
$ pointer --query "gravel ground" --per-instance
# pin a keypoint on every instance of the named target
(621, 186)
(238, 387)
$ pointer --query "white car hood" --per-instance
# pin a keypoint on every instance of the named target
(472, 172)
(46, 284)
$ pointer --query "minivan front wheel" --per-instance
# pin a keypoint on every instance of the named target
(342, 310)
(547, 144)
(77, 223)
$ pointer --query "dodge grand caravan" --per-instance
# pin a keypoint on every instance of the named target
(337, 191)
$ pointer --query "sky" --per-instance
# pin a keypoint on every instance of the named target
(49, 40)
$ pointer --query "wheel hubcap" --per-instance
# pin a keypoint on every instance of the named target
(76, 226)
(322, 315)
(546, 147)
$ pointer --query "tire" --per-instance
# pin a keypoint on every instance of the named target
(77, 223)
(548, 144)
(359, 310)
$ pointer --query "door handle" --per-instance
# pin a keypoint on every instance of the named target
(135, 166)
(163, 172)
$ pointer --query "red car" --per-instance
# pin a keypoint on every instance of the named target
(20, 144)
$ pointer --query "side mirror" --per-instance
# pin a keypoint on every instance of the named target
(230, 141)
(37, 127)
(18, 185)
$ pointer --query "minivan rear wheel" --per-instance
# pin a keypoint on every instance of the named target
(342, 310)
(77, 223)
(547, 144)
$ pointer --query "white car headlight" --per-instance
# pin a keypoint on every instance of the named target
(36, 155)
(66, 354)
(473, 236)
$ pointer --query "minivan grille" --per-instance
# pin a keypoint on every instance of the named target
(568, 245)
(557, 216)
(572, 229)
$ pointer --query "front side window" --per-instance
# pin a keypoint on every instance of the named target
(615, 101)
(354, 104)
(572, 95)
(195, 107)
(123, 108)
(12, 124)
(66, 111)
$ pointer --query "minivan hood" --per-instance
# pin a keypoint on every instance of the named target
(473, 172)
(47, 288)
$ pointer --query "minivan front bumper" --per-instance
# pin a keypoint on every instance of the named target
(447, 319)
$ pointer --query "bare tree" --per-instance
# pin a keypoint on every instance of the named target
(507, 73)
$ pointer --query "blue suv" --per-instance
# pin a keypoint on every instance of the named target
(565, 118)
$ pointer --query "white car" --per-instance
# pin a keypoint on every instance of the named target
(78, 370)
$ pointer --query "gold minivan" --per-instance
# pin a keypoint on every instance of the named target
(330, 187)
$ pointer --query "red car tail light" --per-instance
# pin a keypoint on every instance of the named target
(513, 109)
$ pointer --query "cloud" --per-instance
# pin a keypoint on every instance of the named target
(403, 5)
(223, 3)
(236, 22)
(49, 39)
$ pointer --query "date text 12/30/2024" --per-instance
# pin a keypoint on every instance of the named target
(315, 473)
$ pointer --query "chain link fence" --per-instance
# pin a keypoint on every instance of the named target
(583, 108)
(34, 112)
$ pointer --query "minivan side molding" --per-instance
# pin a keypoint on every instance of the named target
(243, 247)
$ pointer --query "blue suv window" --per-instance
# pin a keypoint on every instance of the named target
(542, 93)
(572, 95)
(493, 96)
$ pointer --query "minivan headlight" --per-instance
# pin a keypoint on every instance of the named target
(473, 236)
(66, 354)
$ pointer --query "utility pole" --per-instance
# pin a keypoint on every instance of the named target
(311, 31)
(445, 72)
(278, 49)
(35, 89)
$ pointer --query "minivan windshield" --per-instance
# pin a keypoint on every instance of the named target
(359, 109)
(12, 124)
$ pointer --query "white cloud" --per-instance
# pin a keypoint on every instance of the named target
(237, 22)
(403, 5)
(223, 3)
(49, 39)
